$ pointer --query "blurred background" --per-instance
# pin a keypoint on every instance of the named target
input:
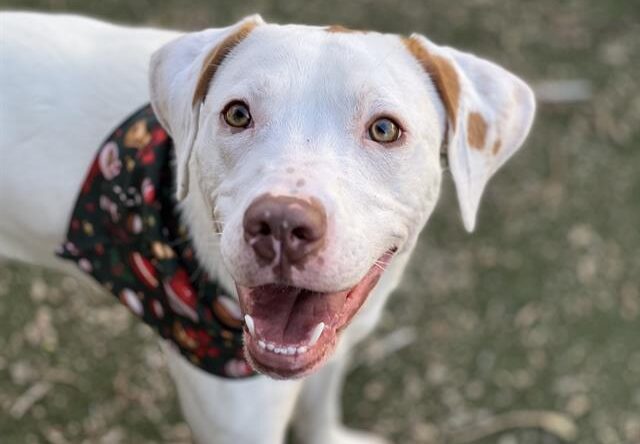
(538, 310)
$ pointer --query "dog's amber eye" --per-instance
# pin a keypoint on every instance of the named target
(384, 130)
(237, 114)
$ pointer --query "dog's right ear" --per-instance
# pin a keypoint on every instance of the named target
(489, 113)
(180, 74)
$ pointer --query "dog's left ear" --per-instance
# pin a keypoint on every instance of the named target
(180, 74)
(489, 113)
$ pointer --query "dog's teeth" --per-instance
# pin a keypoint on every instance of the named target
(283, 349)
(248, 320)
(316, 334)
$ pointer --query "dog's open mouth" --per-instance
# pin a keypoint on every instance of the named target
(290, 331)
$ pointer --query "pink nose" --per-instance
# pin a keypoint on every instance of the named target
(296, 227)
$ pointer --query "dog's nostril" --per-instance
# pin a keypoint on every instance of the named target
(302, 233)
(265, 229)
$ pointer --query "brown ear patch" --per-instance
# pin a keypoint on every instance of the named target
(215, 58)
(476, 131)
(339, 29)
(442, 73)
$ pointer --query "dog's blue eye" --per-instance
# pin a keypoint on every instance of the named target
(384, 130)
(237, 114)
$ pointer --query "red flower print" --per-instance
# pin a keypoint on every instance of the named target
(144, 270)
(182, 298)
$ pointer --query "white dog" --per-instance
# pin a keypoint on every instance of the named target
(307, 160)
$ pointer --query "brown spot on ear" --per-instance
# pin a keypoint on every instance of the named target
(476, 130)
(496, 146)
(215, 58)
(442, 73)
(339, 29)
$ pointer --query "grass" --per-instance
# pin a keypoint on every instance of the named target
(539, 309)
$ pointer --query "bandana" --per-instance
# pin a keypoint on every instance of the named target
(126, 233)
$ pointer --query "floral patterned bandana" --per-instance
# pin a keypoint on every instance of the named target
(125, 232)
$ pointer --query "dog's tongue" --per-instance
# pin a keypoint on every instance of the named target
(288, 315)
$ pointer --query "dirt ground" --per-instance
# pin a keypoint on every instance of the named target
(538, 310)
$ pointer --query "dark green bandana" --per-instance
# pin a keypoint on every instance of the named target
(126, 233)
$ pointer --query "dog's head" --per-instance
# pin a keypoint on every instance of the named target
(308, 157)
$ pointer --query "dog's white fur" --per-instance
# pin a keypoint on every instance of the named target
(67, 81)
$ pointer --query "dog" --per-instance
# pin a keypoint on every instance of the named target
(307, 161)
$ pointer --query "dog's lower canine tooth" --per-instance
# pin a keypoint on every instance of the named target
(317, 331)
(262, 344)
(248, 320)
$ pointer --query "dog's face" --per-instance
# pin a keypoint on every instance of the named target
(316, 154)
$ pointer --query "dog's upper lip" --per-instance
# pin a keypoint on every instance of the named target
(282, 281)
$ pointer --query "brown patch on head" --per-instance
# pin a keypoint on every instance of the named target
(496, 146)
(215, 58)
(442, 73)
(339, 29)
(476, 130)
